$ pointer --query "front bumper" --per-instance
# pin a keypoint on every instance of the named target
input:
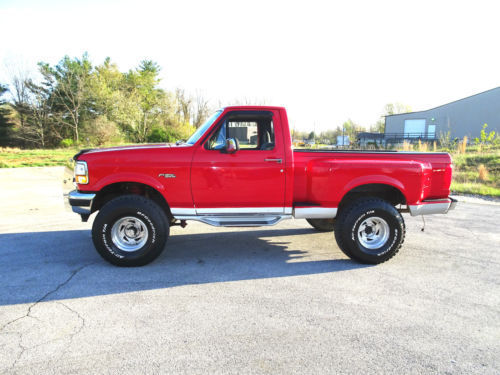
(436, 206)
(81, 203)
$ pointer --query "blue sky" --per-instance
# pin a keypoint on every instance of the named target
(325, 61)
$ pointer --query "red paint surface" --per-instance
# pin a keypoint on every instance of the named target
(210, 178)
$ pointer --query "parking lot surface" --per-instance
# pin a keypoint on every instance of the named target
(282, 299)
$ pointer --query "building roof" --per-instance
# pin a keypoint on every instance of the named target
(442, 105)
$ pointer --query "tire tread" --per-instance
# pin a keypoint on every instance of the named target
(137, 202)
(372, 203)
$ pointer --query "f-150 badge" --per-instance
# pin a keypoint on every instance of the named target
(166, 175)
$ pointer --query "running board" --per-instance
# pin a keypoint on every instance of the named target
(236, 220)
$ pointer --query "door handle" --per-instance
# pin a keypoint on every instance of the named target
(274, 160)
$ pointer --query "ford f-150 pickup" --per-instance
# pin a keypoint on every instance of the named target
(239, 169)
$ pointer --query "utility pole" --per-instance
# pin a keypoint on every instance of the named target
(314, 132)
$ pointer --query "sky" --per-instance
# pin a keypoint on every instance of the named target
(325, 61)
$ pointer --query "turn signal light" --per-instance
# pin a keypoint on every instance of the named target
(81, 179)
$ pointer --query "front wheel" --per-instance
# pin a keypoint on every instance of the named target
(130, 231)
(370, 230)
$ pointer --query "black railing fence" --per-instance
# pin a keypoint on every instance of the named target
(409, 136)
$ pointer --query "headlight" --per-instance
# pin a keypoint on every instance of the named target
(81, 173)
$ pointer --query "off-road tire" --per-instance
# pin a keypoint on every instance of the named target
(143, 211)
(349, 221)
(322, 225)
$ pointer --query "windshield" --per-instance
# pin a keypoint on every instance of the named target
(203, 128)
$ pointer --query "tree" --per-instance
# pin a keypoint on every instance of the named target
(106, 89)
(31, 113)
(201, 110)
(68, 86)
(39, 127)
(144, 101)
(330, 136)
(351, 129)
(74, 100)
(5, 120)
(184, 104)
(396, 108)
(389, 109)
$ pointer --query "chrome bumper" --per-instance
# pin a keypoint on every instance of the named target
(438, 206)
(81, 203)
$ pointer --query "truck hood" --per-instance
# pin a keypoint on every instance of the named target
(127, 148)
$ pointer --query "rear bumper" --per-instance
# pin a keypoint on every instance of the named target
(437, 206)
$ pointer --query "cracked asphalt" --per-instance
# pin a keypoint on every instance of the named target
(282, 299)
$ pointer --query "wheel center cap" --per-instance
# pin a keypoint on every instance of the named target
(131, 232)
(368, 230)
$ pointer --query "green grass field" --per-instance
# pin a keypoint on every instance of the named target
(466, 176)
(15, 157)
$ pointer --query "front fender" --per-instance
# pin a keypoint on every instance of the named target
(129, 177)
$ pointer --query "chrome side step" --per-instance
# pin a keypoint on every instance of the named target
(236, 220)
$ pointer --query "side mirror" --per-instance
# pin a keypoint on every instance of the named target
(232, 145)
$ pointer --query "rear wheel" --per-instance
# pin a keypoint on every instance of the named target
(322, 225)
(130, 231)
(370, 230)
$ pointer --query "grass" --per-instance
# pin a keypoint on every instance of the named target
(15, 157)
(475, 188)
(477, 172)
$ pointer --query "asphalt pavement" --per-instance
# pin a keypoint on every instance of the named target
(281, 299)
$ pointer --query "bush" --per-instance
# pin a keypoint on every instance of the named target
(103, 131)
(157, 135)
(483, 172)
(67, 143)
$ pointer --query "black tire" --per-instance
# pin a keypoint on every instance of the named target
(381, 222)
(322, 225)
(132, 223)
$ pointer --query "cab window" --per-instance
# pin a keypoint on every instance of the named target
(251, 133)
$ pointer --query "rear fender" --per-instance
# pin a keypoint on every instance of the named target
(374, 179)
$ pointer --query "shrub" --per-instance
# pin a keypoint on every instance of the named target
(423, 147)
(103, 131)
(483, 172)
(462, 146)
(157, 135)
(67, 142)
(407, 146)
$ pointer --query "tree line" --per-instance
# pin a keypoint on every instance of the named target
(75, 102)
(350, 128)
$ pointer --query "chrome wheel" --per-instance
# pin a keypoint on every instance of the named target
(129, 234)
(373, 233)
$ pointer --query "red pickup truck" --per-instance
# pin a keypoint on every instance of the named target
(240, 169)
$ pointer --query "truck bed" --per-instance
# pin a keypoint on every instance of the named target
(325, 176)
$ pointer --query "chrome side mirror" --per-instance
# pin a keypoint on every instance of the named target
(231, 145)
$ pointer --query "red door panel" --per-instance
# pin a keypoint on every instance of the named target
(243, 179)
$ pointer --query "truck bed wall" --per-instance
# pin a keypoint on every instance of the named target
(325, 177)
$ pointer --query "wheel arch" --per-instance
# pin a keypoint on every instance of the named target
(385, 191)
(117, 189)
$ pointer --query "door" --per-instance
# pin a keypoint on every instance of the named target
(415, 128)
(251, 180)
(431, 132)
